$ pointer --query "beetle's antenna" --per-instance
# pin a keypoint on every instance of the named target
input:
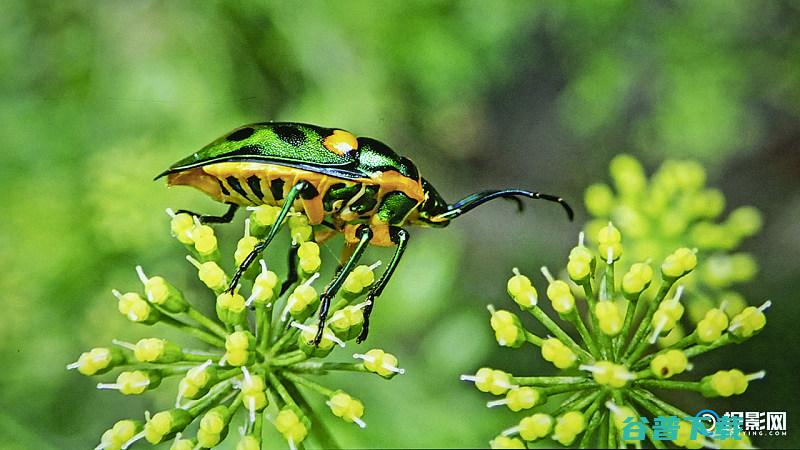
(474, 200)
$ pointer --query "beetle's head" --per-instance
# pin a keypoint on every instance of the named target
(431, 210)
(436, 212)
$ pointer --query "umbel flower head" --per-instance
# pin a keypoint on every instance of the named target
(252, 362)
(674, 208)
(613, 371)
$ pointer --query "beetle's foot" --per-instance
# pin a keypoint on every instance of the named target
(367, 311)
(318, 338)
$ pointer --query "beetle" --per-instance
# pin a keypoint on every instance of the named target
(356, 186)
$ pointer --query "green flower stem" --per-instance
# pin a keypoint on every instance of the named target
(200, 357)
(319, 367)
(550, 390)
(170, 371)
(644, 374)
(289, 359)
(649, 431)
(287, 337)
(683, 343)
(263, 326)
(324, 437)
(533, 339)
(661, 404)
(700, 348)
(591, 301)
(236, 403)
(583, 400)
(644, 325)
(204, 336)
(297, 379)
(630, 312)
(576, 320)
(258, 426)
(594, 423)
(206, 321)
(547, 381)
(560, 334)
(228, 374)
(612, 432)
(281, 390)
(641, 348)
(603, 433)
(196, 407)
(670, 384)
(570, 401)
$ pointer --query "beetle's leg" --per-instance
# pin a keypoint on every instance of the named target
(364, 235)
(295, 192)
(291, 276)
(400, 237)
(225, 218)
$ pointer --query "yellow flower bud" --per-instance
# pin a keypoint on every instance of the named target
(244, 247)
(609, 374)
(670, 363)
(679, 263)
(504, 442)
(535, 427)
(637, 279)
(122, 431)
(264, 215)
(212, 275)
(525, 397)
(248, 442)
(165, 424)
(157, 350)
(561, 297)
(290, 425)
(609, 239)
(344, 406)
(748, 322)
(181, 226)
(507, 329)
(556, 352)
(609, 317)
(568, 426)
(521, 290)
(381, 363)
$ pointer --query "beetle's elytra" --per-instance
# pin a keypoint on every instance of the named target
(354, 185)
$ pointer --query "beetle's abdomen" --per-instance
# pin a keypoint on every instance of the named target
(248, 183)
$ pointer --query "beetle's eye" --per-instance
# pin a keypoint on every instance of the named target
(341, 142)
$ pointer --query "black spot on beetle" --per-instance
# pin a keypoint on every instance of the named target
(276, 187)
(240, 134)
(255, 185)
(222, 188)
(233, 182)
(291, 135)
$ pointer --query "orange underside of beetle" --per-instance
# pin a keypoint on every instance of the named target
(209, 179)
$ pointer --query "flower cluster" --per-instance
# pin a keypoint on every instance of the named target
(253, 355)
(613, 367)
(674, 208)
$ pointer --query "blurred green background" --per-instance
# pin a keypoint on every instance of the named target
(98, 97)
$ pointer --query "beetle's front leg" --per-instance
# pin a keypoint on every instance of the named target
(400, 237)
(364, 235)
(295, 192)
(225, 218)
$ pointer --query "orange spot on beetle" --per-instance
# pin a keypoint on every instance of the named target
(340, 142)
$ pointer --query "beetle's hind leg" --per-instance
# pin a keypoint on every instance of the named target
(400, 237)
(364, 235)
(293, 194)
(225, 218)
(291, 276)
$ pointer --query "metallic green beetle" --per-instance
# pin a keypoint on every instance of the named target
(356, 186)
